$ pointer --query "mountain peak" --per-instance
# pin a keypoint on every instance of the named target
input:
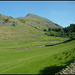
(32, 15)
(29, 14)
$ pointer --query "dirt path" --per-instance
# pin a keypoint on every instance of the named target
(31, 47)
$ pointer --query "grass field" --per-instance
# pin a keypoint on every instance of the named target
(35, 61)
(17, 35)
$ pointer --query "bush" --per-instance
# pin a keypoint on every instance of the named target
(49, 29)
(14, 23)
(44, 30)
(6, 20)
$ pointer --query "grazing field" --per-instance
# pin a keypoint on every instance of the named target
(44, 60)
(30, 41)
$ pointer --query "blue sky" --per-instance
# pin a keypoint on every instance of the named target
(60, 12)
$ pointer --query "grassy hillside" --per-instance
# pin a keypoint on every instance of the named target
(38, 21)
(24, 26)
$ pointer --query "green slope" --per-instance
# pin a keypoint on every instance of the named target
(38, 21)
(23, 26)
(22, 34)
(7, 30)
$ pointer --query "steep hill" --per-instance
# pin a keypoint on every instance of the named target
(39, 22)
(23, 26)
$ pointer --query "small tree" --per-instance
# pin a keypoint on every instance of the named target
(6, 20)
(52, 29)
(44, 30)
(56, 29)
(49, 29)
(14, 23)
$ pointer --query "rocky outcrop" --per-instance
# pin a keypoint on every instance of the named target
(68, 70)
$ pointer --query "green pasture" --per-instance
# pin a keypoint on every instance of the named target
(32, 41)
(34, 61)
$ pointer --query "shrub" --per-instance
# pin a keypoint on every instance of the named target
(49, 29)
(14, 23)
(44, 30)
(6, 20)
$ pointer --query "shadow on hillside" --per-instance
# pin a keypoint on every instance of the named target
(61, 42)
(55, 69)
(51, 70)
